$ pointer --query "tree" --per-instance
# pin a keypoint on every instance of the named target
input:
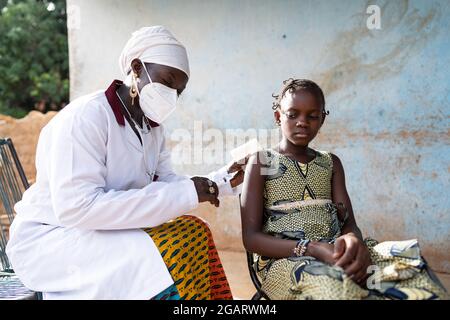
(34, 69)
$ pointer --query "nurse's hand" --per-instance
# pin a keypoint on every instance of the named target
(203, 186)
(237, 179)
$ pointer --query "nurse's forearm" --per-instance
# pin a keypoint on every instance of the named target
(150, 206)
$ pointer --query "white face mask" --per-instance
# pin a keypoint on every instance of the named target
(157, 101)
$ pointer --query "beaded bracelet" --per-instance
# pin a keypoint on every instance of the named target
(301, 247)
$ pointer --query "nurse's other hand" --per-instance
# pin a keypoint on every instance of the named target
(238, 165)
(237, 179)
(203, 185)
(239, 168)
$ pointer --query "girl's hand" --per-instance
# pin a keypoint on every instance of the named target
(353, 256)
(322, 251)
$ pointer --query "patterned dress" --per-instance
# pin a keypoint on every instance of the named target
(297, 202)
(188, 250)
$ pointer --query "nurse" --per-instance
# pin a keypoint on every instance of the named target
(105, 218)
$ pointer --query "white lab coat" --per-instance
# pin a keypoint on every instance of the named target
(77, 231)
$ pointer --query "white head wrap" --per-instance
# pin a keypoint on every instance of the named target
(154, 45)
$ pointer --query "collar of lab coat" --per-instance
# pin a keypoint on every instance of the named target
(114, 102)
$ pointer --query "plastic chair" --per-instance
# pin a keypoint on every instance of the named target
(13, 183)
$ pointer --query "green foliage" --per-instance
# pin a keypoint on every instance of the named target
(33, 55)
(13, 112)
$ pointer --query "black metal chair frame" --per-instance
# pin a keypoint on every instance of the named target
(259, 294)
(8, 173)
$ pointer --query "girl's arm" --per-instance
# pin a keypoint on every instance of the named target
(340, 195)
(252, 209)
(349, 251)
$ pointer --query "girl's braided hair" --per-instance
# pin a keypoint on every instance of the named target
(293, 85)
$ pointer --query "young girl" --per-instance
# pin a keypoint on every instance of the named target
(298, 221)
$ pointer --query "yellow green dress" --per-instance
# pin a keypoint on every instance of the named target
(298, 205)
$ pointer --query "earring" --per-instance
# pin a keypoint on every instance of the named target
(278, 123)
(133, 88)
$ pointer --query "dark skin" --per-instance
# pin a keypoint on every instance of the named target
(300, 118)
(175, 79)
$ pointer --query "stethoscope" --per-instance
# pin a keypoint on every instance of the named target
(146, 129)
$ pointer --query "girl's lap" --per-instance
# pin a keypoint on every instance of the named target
(391, 277)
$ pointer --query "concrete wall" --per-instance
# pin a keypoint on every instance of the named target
(387, 91)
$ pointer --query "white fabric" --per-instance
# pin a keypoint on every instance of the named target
(157, 100)
(154, 44)
(222, 178)
(77, 231)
